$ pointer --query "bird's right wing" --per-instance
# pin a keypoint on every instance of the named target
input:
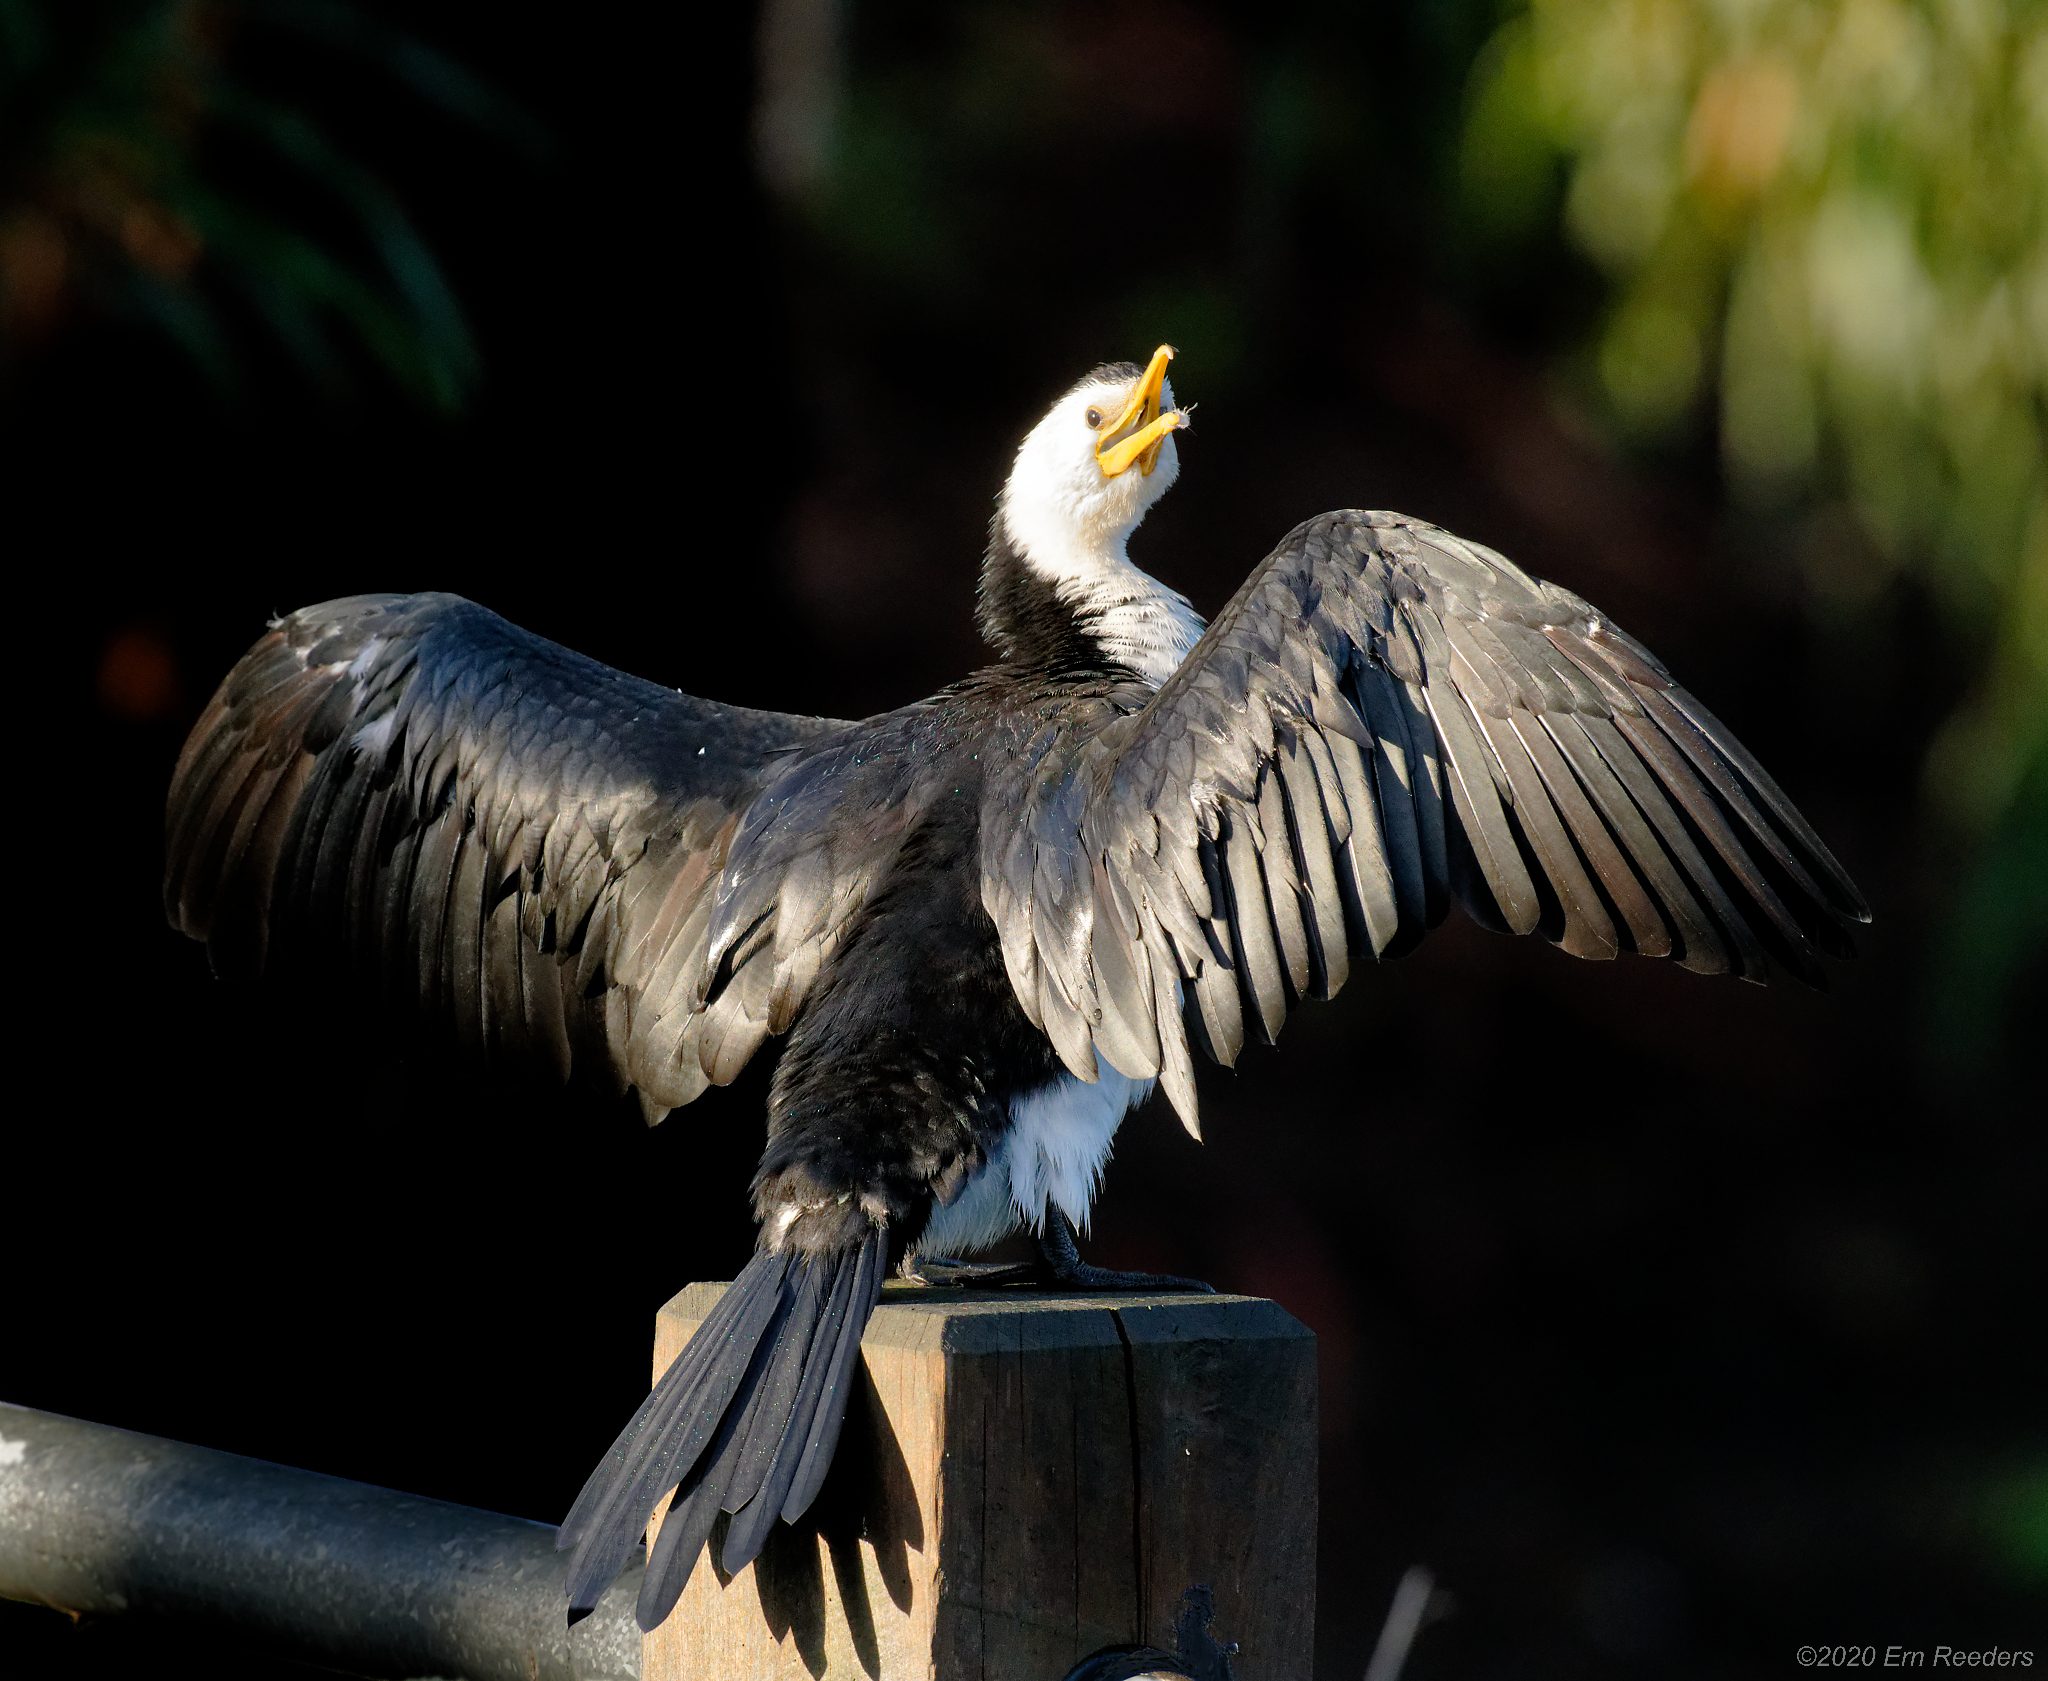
(534, 847)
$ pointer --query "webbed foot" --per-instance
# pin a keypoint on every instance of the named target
(1060, 1257)
(1058, 1267)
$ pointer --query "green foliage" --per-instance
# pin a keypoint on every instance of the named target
(2016, 1502)
(163, 167)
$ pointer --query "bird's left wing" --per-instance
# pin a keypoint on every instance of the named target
(1384, 719)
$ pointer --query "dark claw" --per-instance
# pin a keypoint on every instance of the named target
(1062, 1260)
(1059, 1267)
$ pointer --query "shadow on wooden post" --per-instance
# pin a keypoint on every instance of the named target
(1023, 1480)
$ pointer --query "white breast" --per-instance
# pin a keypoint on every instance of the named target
(1053, 1155)
(1059, 1141)
(980, 1217)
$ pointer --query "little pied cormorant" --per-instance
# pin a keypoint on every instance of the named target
(987, 923)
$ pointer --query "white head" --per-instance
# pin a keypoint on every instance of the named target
(1084, 477)
(1087, 473)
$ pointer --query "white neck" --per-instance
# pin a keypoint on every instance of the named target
(1139, 622)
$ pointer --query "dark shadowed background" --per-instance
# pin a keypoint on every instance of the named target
(1674, 1323)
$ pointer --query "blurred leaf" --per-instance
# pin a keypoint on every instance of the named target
(433, 351)
(1507, 167)
(438, 80)
(21, 43)
(189, 323)
(2019, 1516)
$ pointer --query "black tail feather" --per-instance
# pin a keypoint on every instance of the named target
(744, 1421)
(760, 1498)
(780, 1395)
(837, 1386)
(687, 1524)
(666, 1435)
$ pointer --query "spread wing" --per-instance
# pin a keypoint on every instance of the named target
(535, 848)
(1385, 719)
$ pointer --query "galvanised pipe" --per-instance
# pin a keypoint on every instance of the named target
(105, 1522)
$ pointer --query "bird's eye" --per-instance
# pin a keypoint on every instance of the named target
(1094, 419)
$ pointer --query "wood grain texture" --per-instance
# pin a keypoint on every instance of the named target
(1023, 1480)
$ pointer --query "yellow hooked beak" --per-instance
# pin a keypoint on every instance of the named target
(1138, 433)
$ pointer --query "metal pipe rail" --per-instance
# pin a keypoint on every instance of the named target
(105, 1522)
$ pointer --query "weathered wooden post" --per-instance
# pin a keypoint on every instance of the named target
(1026, 1479)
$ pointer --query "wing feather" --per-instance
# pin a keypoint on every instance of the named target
(1626, 822)
(1377, 693)
(1646, 931)
(1276, 845)
(1220, 997)
(1315, 838)
(1258, 946)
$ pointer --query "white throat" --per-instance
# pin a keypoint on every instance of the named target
(1139, 621)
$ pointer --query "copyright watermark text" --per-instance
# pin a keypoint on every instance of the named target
(1914, 1657)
